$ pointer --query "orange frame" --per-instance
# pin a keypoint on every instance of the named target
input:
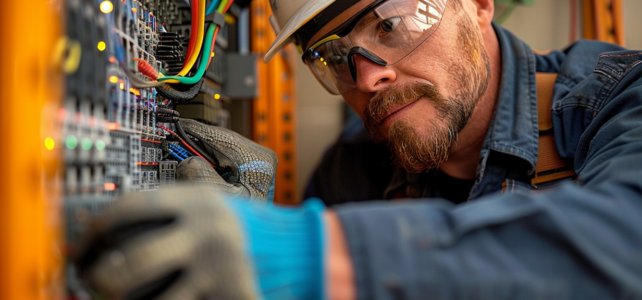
(274, 109)
(31, 254)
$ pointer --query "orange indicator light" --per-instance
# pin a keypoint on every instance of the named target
(134, 9)
(112, 126)
(110, 186)
(113, 79)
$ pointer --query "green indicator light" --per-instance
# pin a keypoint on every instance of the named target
(71, 142)
(100, 145)
(86, 144)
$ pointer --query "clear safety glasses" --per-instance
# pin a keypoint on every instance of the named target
(384, 32)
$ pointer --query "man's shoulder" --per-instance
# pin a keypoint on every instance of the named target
(591, 74)
(576, 61)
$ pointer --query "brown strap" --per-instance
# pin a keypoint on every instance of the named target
(545, 83)
(550, 166)
(541, 52)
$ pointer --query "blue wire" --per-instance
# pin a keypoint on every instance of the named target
(212, 6)
(176, 155)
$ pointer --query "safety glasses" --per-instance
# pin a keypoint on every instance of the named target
(384, 32)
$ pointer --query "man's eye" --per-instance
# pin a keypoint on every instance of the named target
(388, 25)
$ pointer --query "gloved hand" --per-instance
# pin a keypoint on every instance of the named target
(187, 243)
(249, 167)
(181, 243)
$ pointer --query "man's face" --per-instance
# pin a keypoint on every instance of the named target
(420, 104)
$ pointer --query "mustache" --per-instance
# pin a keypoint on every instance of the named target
(380, 105)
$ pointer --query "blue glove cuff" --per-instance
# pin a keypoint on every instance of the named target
(286, 247)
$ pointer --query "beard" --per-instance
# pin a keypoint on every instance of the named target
(470, 74)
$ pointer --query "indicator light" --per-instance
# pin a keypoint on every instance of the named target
(112, 126)
(110, 186)
(134, 9)
(113, 79)
(102, 46)
(71, 142)
(122, 85)
(112, 59)
(217, 96)
(62, 114)
(106, 6)
(86, 144)
(49, 143)
(213, 54)
(100, 145)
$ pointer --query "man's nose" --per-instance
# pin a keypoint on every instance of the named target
(370, 76)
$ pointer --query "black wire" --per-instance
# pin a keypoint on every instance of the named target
(183, 135)
(200, 54)
(180, 93)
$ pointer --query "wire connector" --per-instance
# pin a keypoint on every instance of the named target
(216, 18)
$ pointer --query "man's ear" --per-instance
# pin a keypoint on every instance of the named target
(483, 10)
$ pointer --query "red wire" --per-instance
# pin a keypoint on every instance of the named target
(193, 35)
(228, 6)
(212, 49)
(146, 69)
(184, 143)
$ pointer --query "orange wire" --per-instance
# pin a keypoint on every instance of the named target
(194, 31)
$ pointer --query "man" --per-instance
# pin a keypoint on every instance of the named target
(453, 96)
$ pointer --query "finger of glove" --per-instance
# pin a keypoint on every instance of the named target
(197, 170)
(183, 289)
(141, 260)
(123, 219)
(155, 205)
(231, 148)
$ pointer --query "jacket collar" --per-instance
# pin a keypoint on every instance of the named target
(514, 128)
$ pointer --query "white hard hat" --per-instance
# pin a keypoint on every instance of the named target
(288, 16)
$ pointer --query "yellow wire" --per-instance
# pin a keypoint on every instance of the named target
(199, 43)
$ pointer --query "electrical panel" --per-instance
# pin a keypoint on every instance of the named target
(117, 116)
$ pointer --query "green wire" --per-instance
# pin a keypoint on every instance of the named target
(201, 68)
(223, 5)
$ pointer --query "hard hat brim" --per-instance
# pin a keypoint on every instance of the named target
(310, 9)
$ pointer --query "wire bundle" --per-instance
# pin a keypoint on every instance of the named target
(196, 44)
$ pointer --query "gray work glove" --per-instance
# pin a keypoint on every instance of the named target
(248, 168)
(181, 243)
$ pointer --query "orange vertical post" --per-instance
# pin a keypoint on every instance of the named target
(274, 109)
(603, 20)
(30, 212)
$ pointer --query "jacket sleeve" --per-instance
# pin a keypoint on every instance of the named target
(582, 240)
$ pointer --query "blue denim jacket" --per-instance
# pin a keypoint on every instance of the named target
(579, 240)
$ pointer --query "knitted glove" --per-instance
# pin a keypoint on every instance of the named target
(250, 167)
(188, 243)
